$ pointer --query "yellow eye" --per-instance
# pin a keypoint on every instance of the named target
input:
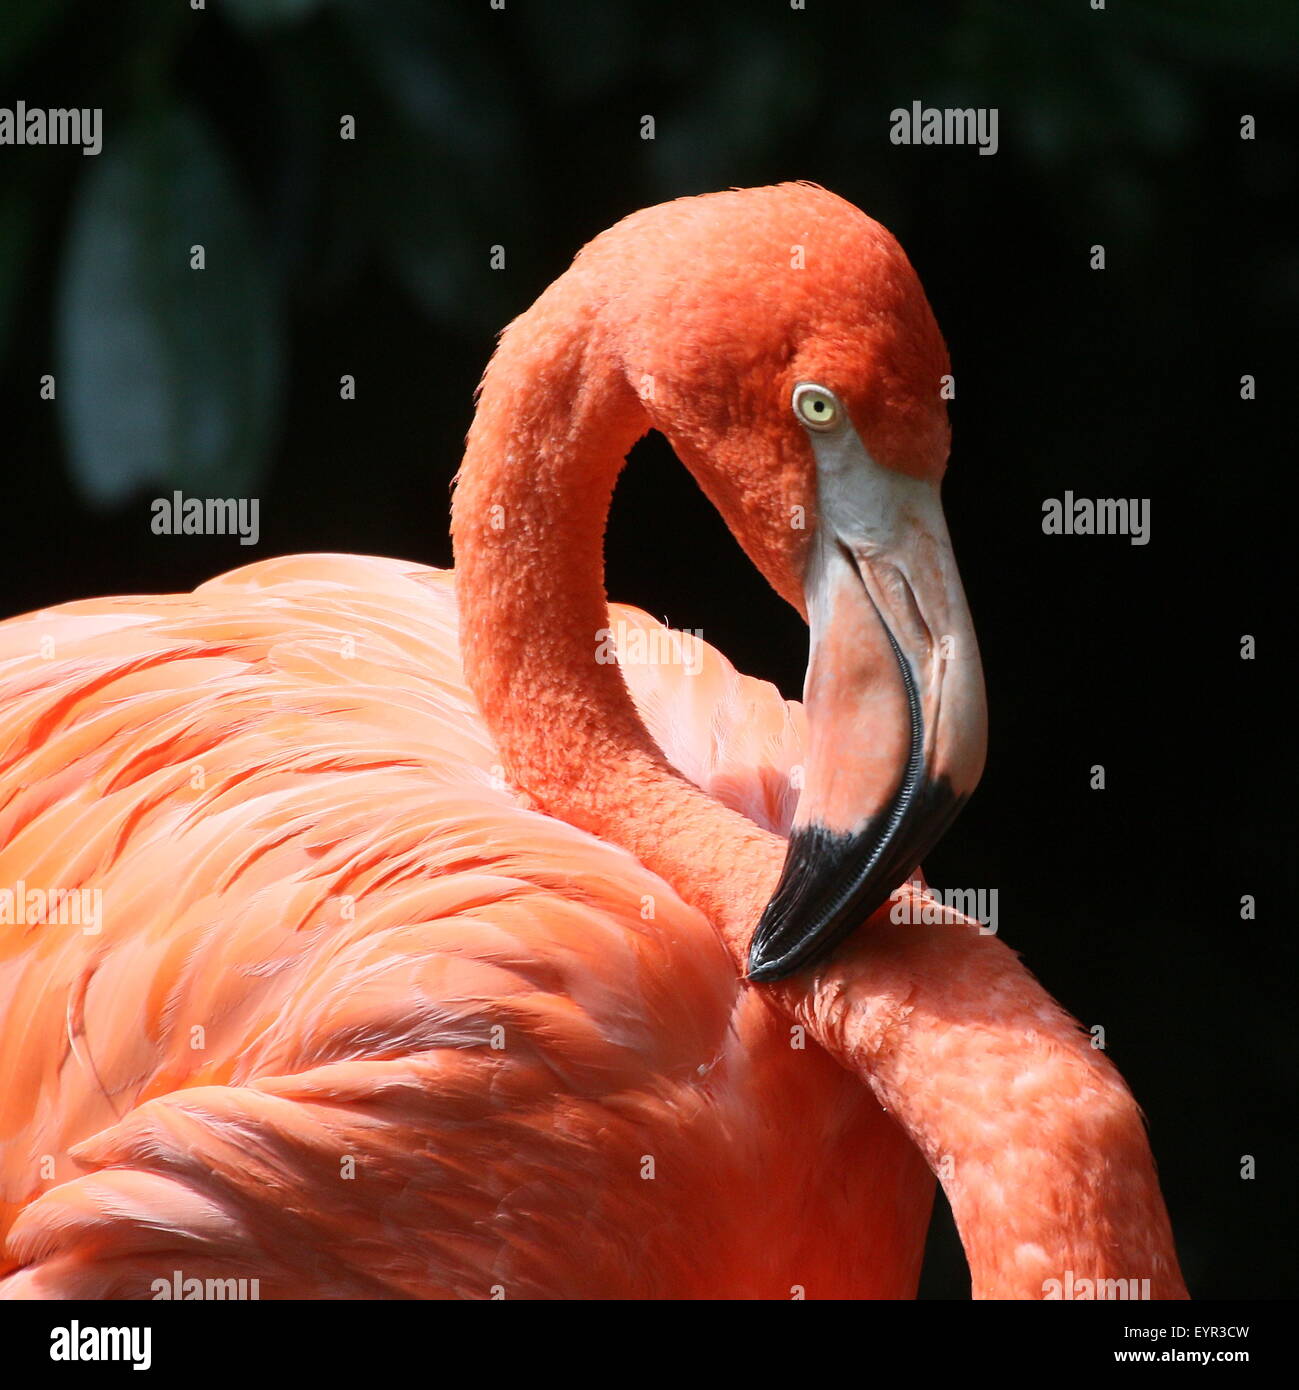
(816, 407)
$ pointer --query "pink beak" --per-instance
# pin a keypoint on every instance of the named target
(895, 702)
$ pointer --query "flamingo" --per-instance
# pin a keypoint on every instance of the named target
(440, 955)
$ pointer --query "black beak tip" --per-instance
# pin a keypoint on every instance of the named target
(832, 882)
(763, 970)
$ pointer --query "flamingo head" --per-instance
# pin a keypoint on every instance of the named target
(782, 342)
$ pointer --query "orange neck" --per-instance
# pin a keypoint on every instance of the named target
(1038, 1143)
(554, 423)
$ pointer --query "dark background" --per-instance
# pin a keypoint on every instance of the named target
(522, 128)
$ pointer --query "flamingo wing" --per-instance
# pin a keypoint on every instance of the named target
(348, 1016)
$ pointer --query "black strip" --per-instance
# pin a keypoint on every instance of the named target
(833, 881)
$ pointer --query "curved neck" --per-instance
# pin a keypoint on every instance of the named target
(555, 420)
(1036, 1140)
(1038, 1143)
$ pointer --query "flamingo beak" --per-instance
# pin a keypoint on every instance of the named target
(895, 704)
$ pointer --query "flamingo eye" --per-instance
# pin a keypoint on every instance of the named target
(816, 407)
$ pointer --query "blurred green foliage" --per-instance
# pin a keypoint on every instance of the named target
(169, 374)
(222, 129)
